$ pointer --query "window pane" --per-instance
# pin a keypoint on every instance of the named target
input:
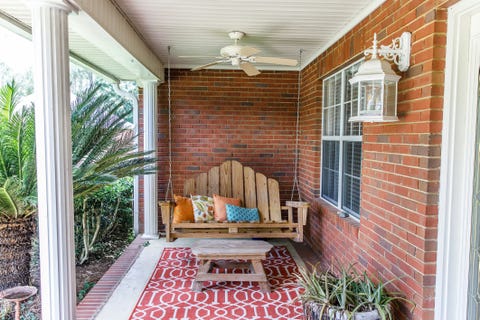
(330, 170)
(340, 142)
(351, 104)
(352, 156)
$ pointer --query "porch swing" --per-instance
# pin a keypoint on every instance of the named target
(232, 180)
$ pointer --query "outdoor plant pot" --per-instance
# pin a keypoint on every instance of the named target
(312, 311)
(345, 295)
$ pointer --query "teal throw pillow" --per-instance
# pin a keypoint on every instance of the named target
(235, 213)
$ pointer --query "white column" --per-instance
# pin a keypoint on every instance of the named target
(150, 143)
(54, 158)
(136, 180)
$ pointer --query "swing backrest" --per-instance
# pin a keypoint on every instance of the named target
(231, 179)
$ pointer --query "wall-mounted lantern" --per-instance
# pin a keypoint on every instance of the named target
(377, 82)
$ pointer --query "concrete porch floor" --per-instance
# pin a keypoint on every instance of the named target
(116, 294)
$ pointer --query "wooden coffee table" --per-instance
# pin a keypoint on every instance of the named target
(208, 252)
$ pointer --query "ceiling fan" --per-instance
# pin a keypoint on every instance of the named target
(244, 57)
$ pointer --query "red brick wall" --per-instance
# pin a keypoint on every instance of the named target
(397, 232)
(141, 216)
(220, 115)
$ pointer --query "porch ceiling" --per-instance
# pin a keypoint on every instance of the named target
(279, 28)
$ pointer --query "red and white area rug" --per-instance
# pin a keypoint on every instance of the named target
(168, 294)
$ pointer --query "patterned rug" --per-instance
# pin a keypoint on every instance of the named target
(168, 294)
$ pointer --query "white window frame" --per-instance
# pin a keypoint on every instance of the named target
(341, 138)
(457, 160)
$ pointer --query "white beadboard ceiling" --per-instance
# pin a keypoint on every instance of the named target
(279, 28)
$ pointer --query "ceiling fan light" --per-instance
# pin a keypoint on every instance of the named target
(235, 61)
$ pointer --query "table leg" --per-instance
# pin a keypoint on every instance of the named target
(258, 268)
(204, 266)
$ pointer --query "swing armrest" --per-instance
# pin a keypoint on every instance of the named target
(167, 213)
(302, 210)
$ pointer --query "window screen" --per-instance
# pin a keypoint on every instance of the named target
(341, 142)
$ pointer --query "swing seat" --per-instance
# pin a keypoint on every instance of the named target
(231, 179)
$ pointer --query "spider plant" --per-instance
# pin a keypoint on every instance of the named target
(347, 296)
(375, 297)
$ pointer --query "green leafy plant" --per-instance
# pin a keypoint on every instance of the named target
(103, 151)
(102, 214)
(343, 296)
(87, 285)
(17, 157)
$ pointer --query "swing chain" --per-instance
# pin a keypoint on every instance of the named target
(170, 183)
(297, 131)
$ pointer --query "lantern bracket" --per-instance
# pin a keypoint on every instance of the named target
(398, 51)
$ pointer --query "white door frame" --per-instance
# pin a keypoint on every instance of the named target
(457, 160)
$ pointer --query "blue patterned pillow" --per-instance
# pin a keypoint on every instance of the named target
(235, 213)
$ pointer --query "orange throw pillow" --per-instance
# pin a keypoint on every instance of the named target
(219, 202)
(183, 211)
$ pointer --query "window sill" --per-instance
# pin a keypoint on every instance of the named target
(348, 225)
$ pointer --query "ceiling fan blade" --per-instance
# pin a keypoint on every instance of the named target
(206, 65)
(249, 69)
(247, 51)
(216, 57)
(281, 61)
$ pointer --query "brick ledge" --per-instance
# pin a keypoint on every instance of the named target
(348, 225)
(97, 297)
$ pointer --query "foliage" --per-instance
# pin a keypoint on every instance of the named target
(103, 151)
(342, 296)
(24, 79)
(103, 143)
(81, 79)
(17, 156)
(27, 311)
(87, 285)
(101, 214)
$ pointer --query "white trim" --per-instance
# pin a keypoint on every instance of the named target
(136, 180)
(54, 160)
(150, 217)
(341, 138)
(457, 162)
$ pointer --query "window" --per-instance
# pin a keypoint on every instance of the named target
(341, 143)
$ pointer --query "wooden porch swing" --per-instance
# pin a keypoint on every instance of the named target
(233, 180)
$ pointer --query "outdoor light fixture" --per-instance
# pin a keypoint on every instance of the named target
(376, 82)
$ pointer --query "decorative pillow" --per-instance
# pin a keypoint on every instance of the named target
(219, 203)
(202, 208)
(183, 211)
(235, 213)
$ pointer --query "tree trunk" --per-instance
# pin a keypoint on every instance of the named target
(15, 246)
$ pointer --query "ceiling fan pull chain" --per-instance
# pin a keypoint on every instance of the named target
(170, 183)
(295, 185)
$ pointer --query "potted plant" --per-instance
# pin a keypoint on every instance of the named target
(345, 295)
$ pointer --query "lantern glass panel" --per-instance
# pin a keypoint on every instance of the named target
(371, 94)
(390, 98)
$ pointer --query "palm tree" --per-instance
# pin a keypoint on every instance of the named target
(17, 187)
(103, 142)
(102, 151)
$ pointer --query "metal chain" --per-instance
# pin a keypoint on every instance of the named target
(170, 183)
(297, 131)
